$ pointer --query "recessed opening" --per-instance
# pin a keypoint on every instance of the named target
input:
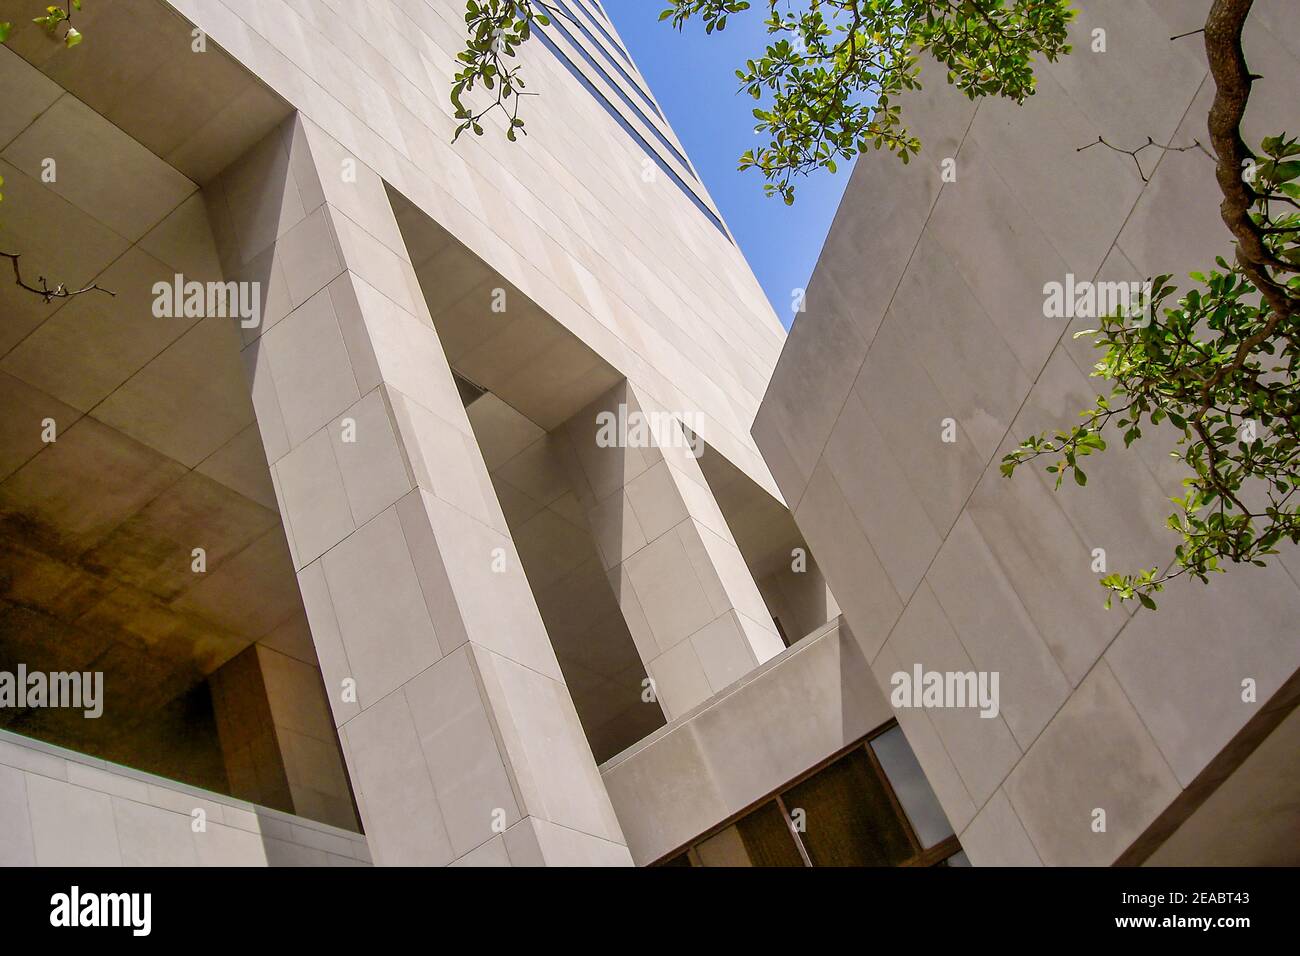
(522, 375)
(145, 574)
(779, 559)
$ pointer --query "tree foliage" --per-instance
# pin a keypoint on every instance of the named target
(56, 21)
(829, 80)
(1217, 366)
(496, 28)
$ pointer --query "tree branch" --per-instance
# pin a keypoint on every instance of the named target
(44, 290)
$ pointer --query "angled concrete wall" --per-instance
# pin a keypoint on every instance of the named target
(812, 700)
(625, 262)
(460, 709)
(61, 808)
(927, 306)
(694, 611)
(459, 733)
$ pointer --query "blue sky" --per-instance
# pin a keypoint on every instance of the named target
(693, 77)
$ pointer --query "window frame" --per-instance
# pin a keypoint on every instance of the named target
(921, 856)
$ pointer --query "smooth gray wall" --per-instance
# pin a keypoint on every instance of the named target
(927, 304)
(62, 808)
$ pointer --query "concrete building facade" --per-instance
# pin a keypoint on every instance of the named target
(1123, 736)
(400, 504)
(400, 493)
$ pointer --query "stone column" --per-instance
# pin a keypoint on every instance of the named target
(690, 602)
(254, 763)
(277, 738)
(460, 737)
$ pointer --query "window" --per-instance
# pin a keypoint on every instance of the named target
(569, 18)
(632, 131)
(920, 804)
(599, 21)
(847, 815)
(558, 24)
(870, 805)
(761, 838)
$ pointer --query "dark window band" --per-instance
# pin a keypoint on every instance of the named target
(633, 132)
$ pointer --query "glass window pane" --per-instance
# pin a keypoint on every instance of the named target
(848, 816)
(768, 838)
(910, 786)
(759, 839)
(957, 859)
(569, 18)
